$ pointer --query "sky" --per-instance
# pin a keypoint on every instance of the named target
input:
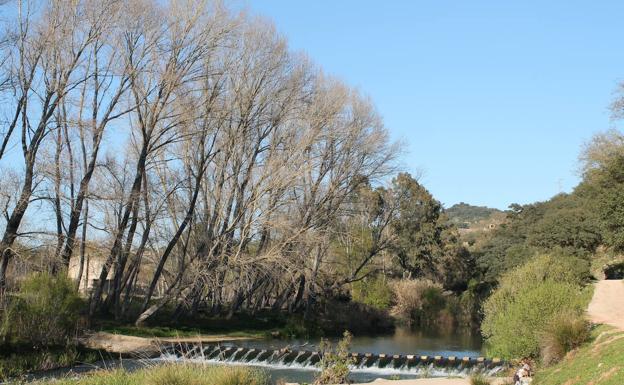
(492, 99)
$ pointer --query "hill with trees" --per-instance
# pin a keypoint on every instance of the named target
(464, 213)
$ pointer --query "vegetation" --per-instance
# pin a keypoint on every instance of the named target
(462, 213)
(44, 312)
(564, 333)
(479, 379)
(39, 325)
(247, 192)
(233, 199)
(375, 292)
(334, 363)
(418, 301)
(599, 362)
(529, 299)
(175, 374)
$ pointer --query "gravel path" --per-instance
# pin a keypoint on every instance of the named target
(607, 305)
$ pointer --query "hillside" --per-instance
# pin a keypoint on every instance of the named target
(465, 215)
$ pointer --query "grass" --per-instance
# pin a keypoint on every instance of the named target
(170, 332)
(600, 362)
(173, 374)
(479, 379)
(18, 361)
(259, 325)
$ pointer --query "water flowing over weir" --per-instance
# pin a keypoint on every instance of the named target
(383, 364)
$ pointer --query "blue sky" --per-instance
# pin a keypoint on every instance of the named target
(492, 98)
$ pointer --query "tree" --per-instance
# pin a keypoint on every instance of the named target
(427, 245)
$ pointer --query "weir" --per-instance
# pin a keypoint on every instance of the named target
(286, 358)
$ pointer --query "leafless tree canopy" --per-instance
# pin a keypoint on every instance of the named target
(176, 153)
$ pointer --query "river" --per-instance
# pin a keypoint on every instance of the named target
(300, 367)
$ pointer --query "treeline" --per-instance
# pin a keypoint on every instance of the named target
(200, 166)
(585, 223)
(542, 260)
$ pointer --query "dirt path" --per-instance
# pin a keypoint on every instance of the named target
(607, 305)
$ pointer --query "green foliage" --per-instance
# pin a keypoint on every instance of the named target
(427, 245)
(374, 292)
(296, 327)
(44, 312)
(597, 363)
(173, 374)
(461, 213)
(564, 333)
(566, 222)
(527, 301)
(578, 223)
(14, 362)
(603, 187)
(334, 363)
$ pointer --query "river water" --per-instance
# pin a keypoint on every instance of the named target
(403, 342)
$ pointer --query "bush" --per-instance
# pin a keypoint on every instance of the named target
(564, 333)
(527, 301)
(418, 301)
(479, 379)
(44, 312)
(374, 292)
(334, 363)
(354, 316)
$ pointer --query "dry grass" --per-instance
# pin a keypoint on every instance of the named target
(564, 333)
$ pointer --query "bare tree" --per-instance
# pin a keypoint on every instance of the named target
(49, 53)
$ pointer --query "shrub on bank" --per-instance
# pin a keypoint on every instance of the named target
(374, 292)
(528, 300)
(356, 317)
(44, 312)
(564, 333)
(335, 362)
(418, 301)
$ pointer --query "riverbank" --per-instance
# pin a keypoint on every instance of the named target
(600, 362)
(434, 381)
(147, 347)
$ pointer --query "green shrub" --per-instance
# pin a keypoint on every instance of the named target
(44, 312)
(526, 302)
(565, 332)
(296, 327)
(374, 292)
(334, 363)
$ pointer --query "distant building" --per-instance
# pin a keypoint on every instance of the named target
(91, 271)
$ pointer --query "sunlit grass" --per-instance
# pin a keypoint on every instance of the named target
(600, 362)
(172, 374)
